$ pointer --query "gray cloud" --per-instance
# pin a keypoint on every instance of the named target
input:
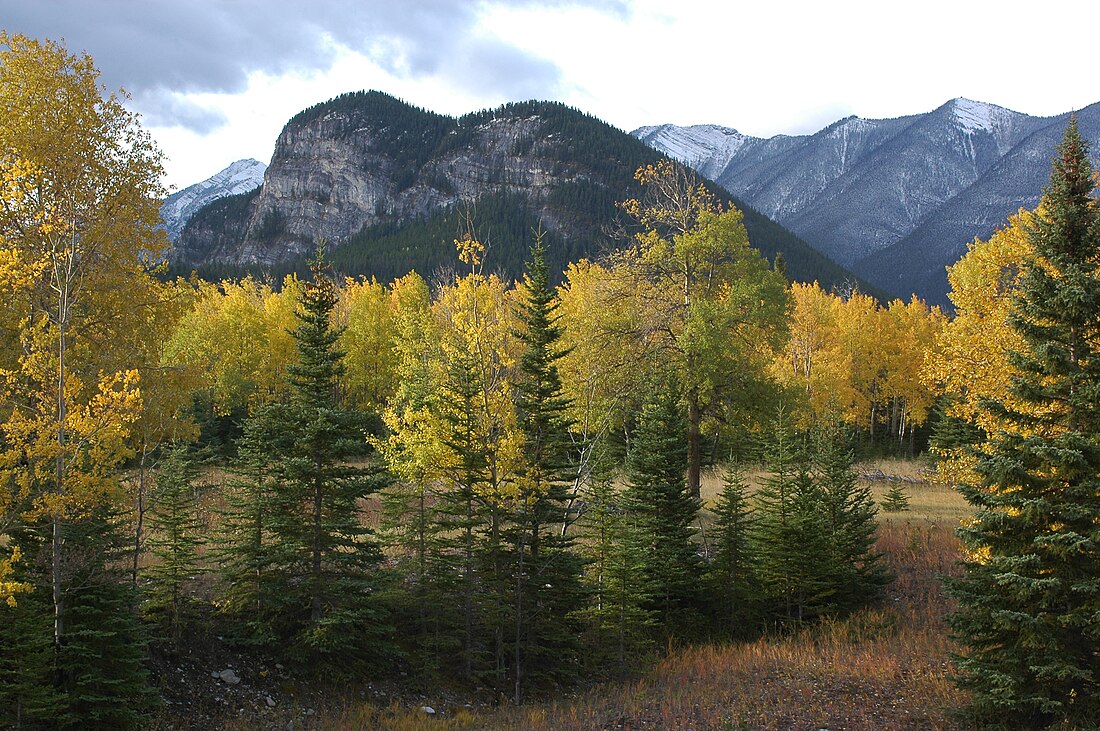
(158, 49)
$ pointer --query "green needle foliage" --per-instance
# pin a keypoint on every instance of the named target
(895, 500)
(102, 665)
(547, 570)
(850, 519)
(732, 574)
(1030, 597)
(658, 496)
(176, 535)
(791, 533)
(320, 561)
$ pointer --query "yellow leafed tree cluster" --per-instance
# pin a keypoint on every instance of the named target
(969, 363)
(853, 360)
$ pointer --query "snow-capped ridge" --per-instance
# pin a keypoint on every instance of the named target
(239, 177)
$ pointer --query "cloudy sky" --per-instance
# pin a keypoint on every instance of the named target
(215, 80)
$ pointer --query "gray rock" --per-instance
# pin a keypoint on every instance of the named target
(229, 677)
(270, 702)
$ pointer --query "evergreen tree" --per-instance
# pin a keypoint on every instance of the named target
(251, 590)
(791, 535)
(547, 569)
(895, 500)
(732, 572)
(321, 561)
(29, 697)
(849, 511)
(618, 622)
(176, 536)
(102, 664)
(1030, 596)
(657, 494)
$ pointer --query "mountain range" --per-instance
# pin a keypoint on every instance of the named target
(391, 186)
(893, 200)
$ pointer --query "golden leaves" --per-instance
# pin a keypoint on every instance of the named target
(9, 588)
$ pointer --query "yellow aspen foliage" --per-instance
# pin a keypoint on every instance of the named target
(366, 312)
(8, 588)
(912, 329)
(815, 366)
(603, 364)
(237, 338)
(855, 361)
(969, 362)
(476, 324)
(79, 207)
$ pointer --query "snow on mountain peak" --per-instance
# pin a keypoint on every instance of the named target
(972, 115)
(706, 147)
(240, 177)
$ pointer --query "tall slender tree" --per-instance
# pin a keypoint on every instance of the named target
(177, 536)
(658, 494)
(1030, 596)
(732, 569)
(547, 569)
(321, 558)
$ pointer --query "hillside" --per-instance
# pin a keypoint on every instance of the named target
(392, 185)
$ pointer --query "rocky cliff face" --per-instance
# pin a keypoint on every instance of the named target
(361, 161)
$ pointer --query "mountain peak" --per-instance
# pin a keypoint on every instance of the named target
(239, 177)
(974, 115)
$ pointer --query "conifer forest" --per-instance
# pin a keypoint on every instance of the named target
(559, 501)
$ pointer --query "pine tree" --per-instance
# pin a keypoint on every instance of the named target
(791, 534)
(1030, 596)
(29, 697)
(619, 624)
(252, 590)
(176, 536)
(102, 664)
(732, 572)
(657, 494)
(849, 510)
(547, 569)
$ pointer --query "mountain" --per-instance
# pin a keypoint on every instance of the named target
(391, 186)
(239, 177)
(895, 200)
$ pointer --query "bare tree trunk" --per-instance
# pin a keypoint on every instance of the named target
(695, 452)
(140, 509)
(315, 613)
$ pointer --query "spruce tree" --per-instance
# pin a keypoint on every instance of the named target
(29, 696)
(617, 618)
(850, 520)
(791, 536)
(102, 664)
(732, 571)
(1030, 596)
(321, 560)
(174, 540)
(252, 590)
(546, 568)
(895, 500)
(657, 494)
